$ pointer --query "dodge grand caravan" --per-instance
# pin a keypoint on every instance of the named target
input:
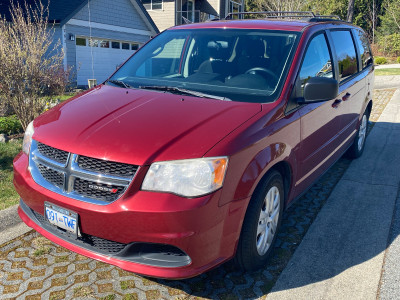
(188, 154)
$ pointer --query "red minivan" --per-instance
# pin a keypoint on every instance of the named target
(188, 154)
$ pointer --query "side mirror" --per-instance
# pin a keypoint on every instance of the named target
(369, 61)
(318, 89)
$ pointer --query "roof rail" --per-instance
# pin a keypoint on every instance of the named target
(307, 15)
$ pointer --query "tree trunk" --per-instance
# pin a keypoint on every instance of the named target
(350, 11)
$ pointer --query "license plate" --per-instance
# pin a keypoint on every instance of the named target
(61, 217)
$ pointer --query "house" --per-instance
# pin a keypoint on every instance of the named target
(168, 13)
(96, 35)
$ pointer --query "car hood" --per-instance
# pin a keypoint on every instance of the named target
(140, 126)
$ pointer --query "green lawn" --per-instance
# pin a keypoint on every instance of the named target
(394, 71)
(8, 195)
(66, 96)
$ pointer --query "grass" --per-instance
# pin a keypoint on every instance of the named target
(64, 97)
(381, 72)
(8, 195)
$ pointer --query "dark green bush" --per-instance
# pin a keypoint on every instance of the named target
(10, 125)
(380, 60)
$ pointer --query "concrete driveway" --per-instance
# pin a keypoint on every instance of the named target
(387, 81)
(351, 251)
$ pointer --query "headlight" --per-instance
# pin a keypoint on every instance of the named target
(188, 178)
(26, 146)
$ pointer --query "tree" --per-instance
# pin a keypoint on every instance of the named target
(350, 11)
(275, 5)
(391, 18)
(31, 68)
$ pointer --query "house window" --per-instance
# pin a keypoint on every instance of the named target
(105, 44)
(125, 46)
(115, 45)
(80, 41)
(135, 46)
(93, 43)
(152, 4)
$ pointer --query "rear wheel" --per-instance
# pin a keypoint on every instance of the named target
(357, 148)
(261, 223)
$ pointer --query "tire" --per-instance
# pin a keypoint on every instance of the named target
(357, 148)
(259, 230)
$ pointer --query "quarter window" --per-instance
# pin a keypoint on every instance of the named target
(317, 62)
(346, 53)
(363, 45)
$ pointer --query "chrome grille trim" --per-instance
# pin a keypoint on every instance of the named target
(71, 171)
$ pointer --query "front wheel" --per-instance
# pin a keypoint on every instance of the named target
(261, 223)
(357, 148)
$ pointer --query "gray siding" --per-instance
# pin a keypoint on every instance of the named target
(56, 31)
(117, 12)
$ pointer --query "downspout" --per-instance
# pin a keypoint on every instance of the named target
(175, 16)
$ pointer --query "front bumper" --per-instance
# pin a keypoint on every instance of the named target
(201, 233)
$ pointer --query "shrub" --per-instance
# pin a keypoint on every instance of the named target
(398, 60)
(31, 65)
(10, 125)
(390, 44)
(380, 60)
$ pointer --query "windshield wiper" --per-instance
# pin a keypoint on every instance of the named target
(119, 83)
(176, 90)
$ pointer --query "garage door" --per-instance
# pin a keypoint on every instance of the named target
(99, 58)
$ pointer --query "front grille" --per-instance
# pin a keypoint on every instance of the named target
(97, 190)
(106, 167)
(51, 175)
(99, 244)
(53, 153)
(79, 177)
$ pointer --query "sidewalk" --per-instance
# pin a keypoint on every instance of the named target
(351, 243)
(388, 66)
(11, 225)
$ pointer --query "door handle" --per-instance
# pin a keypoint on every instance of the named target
(346, 97)
(336, 103)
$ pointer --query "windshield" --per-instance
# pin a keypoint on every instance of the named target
(237, 64)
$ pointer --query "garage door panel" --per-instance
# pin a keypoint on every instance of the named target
(105, 62)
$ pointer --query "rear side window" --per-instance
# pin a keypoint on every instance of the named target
(317, 61)
(346, 53)
(363, 45)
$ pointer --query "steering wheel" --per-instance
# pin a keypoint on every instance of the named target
(263, 71)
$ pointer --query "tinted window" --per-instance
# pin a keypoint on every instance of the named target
(115, 45)
(365, 51)
(346, 53)
(317, 61)
(125, 46)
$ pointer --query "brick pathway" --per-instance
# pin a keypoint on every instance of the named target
(31, 267)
